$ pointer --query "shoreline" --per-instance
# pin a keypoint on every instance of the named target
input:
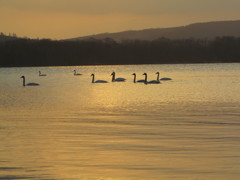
(120, 64)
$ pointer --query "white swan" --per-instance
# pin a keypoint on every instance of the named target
(117, 79)
(150, 82)
(40, 74)
(28, 84)
(97, 81)
(76, 74)
(138, 81)
(164, 78)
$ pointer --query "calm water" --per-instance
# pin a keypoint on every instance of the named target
(68, 128)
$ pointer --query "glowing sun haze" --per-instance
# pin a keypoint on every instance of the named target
(59, 19)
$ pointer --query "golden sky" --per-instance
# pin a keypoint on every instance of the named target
(59, 19)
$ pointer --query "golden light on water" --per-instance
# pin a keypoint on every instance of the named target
(69, 127)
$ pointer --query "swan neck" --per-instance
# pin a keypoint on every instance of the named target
(158, 77)
(23, 81)
(113, 76)
(93, 78)
(134, 79)
(145, 78)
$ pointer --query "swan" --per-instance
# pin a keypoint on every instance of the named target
(117, 79)
(157, 81)
(164, 78)
(150, 82)
(28, 84)
(97, 81)
(40, 74)
(138, 81)
(76, 74)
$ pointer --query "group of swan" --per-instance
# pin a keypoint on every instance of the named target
(114, 79)
(157, 81)
(32, 83)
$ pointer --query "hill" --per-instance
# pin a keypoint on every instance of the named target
(28, 52)
(207, 30)
(213, 42)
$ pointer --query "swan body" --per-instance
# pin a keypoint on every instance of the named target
(164, 78)
(76, 74)
(40, 74)
(153, 82)
(117, 79)
(138, 81)
(150, 82)
(97, 81)
(28, 84)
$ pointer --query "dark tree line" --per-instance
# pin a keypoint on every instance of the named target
(45, 52)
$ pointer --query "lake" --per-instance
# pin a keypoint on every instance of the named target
(69, 128)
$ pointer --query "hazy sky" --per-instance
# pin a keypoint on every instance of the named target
(59, 19)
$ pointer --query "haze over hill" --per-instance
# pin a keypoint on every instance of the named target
(208, 30)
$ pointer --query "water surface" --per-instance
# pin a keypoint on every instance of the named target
(69, 128)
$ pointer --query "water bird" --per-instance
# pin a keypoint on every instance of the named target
(138, 81)
(97, 81)
(76, 74)
(40, 74)
(28, 84)
(117, 79)
(150, 82)
(164, 78)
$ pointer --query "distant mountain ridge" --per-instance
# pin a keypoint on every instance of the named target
(207, 30)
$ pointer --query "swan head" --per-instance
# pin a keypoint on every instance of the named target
(113, 73)
(144, 74)
(92, 74)
(134, 74)
(157, 73)
(22, 77)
